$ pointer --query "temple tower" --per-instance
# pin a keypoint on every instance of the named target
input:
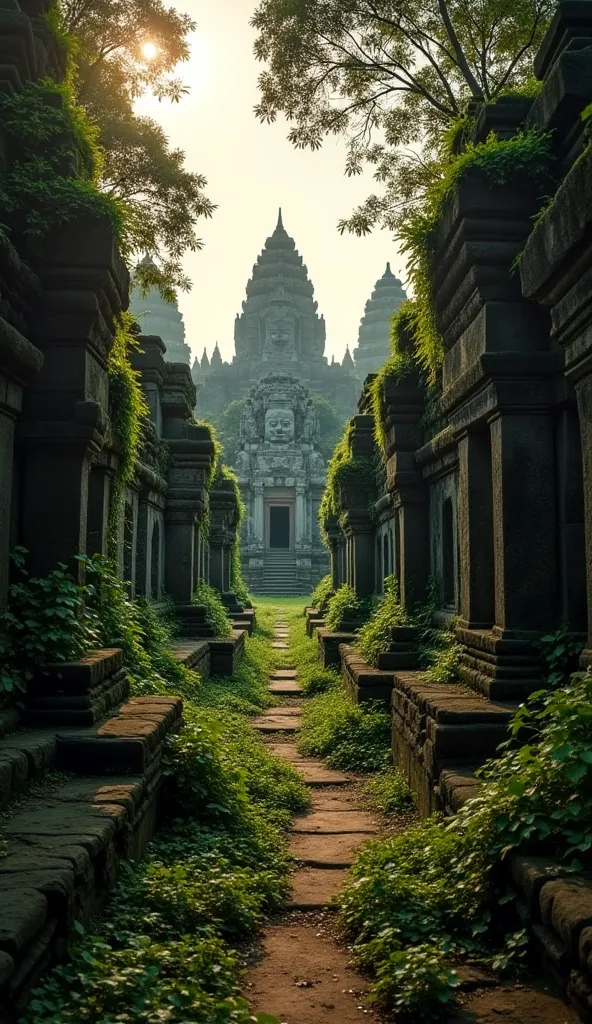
(161, 318)
(373, 336)
(279, 330)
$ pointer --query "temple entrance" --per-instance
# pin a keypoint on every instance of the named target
(279, 526)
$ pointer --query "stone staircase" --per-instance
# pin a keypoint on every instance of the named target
(280, 576)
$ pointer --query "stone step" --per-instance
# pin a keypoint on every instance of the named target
(313, 888)
(287, 751)
(285, 688)
(280, 723)
(334, 823)
(315, 774)
(279, 645)
(326, 851)
(126, 742)
(284, 673)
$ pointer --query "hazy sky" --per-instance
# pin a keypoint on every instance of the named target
(252, 169)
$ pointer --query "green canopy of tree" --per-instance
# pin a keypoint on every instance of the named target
(228, 429)
(392, 77)
(330, 425)
(161, 199)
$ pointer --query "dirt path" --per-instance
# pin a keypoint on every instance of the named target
(304, 975)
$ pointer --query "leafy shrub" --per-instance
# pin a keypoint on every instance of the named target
(389, 793)
(349, 736)
(375, 636)
(344, 606)
(322, 593)
(216, 614)
(318, 680)
(442, 878)
(43, 623)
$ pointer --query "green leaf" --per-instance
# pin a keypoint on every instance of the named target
(576, 772)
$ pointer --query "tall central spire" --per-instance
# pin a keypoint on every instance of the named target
(280, 223)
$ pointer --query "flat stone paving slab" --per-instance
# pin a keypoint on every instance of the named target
(279, 645)
(279, 723)
(284, 673)
(312, 888)
(283, 710)
(315, 774)
(327, 851)
(286, 750)
(285, 687)
(338, 799)
(331, 822)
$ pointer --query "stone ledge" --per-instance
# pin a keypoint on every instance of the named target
(24, 757)
(126, 742)
(63, 850)
(226, 653)
(77, 693)
(362, 681)
(440, 734)
(556, 907)
(329, 645)
(245, 619)
(194, 654)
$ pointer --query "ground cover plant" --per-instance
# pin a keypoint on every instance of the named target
(163, 948)
(346, 607)
(388, 792)
(420, 902)
(322, 593)
(375, 635)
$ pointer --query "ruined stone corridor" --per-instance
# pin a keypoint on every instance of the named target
(302, 971)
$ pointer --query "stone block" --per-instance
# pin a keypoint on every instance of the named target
(329, 644)
(566, 906)
(77, 693)
(22, 915)
(530, 874)
(226, 653)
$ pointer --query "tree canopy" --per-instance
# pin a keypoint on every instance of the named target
(162, 200)
(391, 77)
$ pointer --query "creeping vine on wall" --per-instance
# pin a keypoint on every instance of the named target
(498, 161)
(128, 411)
(343, 467)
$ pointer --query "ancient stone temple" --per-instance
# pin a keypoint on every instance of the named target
(278, 330)
(282, 477)
(162, 319)
(373, 347)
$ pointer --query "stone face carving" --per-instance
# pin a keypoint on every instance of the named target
(279, 425)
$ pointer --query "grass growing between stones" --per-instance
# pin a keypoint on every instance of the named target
(163, 949)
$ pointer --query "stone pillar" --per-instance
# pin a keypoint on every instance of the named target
(192, 451)
(217, 566)
(524, 523)
(300, 517)
(226, 569)
(258, 516)
(584, 396)
(475, 531)
(180, 551)
(413, 555)
(99, 495)
(20, 361)
(64, 425)
(361, 539)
